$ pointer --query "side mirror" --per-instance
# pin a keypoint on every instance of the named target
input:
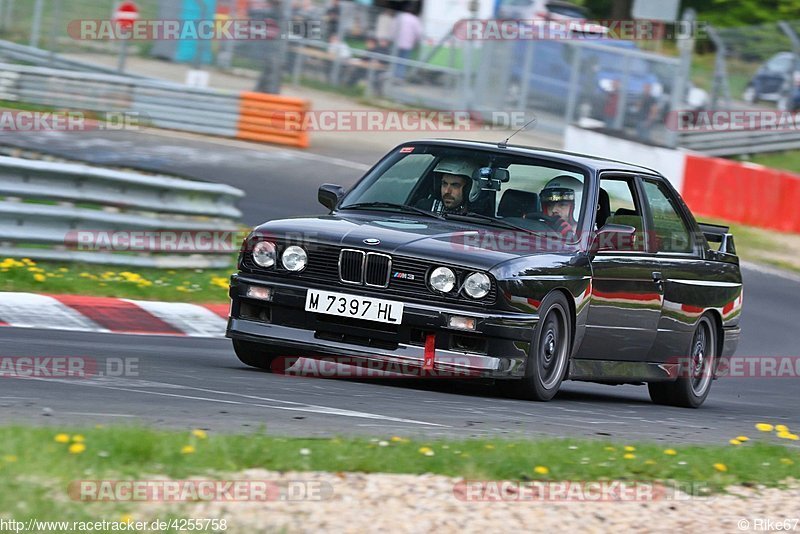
(614, 237)
(329, 195)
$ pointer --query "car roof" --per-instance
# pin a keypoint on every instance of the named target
(595, 163)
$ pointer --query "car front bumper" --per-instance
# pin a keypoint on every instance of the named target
(496, 349)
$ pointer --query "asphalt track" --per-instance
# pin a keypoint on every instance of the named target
(190, 382)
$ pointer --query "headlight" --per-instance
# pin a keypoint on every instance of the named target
(477, 285)
(443, 279)
(264, 254)
(294, 258)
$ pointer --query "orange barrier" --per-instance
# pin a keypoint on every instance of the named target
(739, 192)
(272, 119)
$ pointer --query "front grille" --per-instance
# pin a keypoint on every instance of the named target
(377, 271)
(351, 266)
(371, 268)
(407, 277)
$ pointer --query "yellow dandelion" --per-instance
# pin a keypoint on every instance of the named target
(427, 451)
(764, 427)
(39, 277)
(629, 456)
(734, 442)
(125, 518)
(77, 438)
(62, 438)
(10, 458)
(489, 446)
(629, 448)
(781, 428)
(199, 434)
(670, 452)
(63, 270)
(76, 448)
(787, 461)
(789, 435)
(720, 467)
(609, 449)
(541, 470)
(398, 439)
(187, 449)
(650, 462)
(742, 438)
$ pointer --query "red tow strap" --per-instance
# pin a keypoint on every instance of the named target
(430, 352)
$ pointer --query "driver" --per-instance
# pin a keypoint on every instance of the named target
(558, 201)
(453, 180)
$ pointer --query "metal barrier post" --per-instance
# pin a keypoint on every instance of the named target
(622, 99)
(682, 76)
(524, 83)
(36, 26)
(790, 33)
(720, 86)
(572, 97)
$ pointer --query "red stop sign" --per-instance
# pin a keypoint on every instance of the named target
(126, 14)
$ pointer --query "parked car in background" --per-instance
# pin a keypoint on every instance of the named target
(601, 75)
(777, 80)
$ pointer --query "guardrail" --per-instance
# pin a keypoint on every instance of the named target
(47, 204)
(731, 143)
(160, 104)
(43, 58)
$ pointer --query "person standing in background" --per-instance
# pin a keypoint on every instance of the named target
(408, 32)
(332, 15)
(384, 26)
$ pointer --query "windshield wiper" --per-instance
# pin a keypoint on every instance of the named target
(471, 216)
(401, 207)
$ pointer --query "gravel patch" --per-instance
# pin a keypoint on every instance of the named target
(358, 502)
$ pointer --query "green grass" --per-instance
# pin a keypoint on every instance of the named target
(180, 285)
(35, 469)
(763, 246)
(789, 161)
(739, 73)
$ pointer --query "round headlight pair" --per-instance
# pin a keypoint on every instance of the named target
(476, 285)
(294, 258)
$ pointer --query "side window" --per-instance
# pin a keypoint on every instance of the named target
(670, 231)
(617, 205)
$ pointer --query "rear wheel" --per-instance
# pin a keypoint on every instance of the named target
(549, 353)
(254, 354)
(695, 373)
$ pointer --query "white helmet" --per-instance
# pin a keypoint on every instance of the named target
(460, 167)
(563, 188)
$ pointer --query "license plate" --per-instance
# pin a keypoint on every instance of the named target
(366, 308)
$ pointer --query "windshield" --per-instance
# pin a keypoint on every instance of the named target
(478, 187)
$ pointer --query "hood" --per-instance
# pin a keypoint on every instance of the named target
(455, 242)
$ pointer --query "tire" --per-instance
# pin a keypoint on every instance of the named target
(749, 95)
(254, 354)
(548, 357)
(695, 373)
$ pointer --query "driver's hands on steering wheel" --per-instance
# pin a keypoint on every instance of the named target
(557, 223)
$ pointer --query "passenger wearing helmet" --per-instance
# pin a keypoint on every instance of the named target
(558, 201)
(453, 187)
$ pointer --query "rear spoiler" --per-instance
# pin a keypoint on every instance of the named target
(715, 233)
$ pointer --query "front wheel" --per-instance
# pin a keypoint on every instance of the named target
(254, 354)
(695, 373)
(549, 353)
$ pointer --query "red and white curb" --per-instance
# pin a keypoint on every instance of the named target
(113, 315)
